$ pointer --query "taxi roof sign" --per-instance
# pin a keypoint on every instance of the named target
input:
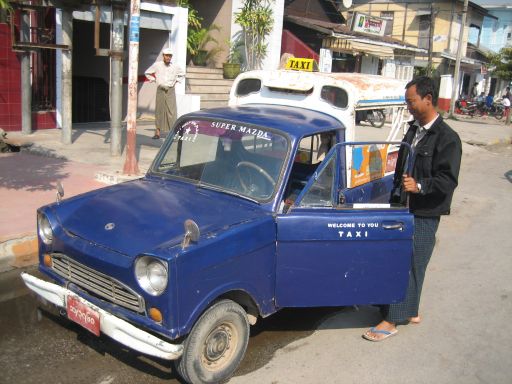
(301, 64)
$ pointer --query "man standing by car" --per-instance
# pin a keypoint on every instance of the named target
(165, 74)
(429, 187)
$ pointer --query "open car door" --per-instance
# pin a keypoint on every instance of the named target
(334, 253)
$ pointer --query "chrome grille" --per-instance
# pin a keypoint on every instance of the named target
(97, 283)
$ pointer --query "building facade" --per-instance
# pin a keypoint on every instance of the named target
(435, 27)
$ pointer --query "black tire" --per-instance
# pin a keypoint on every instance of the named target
(499, 114)
(377, 118)
(216, 345)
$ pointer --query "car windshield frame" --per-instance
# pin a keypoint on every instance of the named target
(228, 156)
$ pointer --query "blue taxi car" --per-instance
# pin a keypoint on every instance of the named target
(244, 211)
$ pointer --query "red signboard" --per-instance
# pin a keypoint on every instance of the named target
(83, 315)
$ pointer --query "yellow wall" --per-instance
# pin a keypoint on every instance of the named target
(445, 39)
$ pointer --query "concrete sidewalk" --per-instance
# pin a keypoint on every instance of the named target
(28, 178)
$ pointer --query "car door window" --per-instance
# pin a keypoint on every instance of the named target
(320, 193)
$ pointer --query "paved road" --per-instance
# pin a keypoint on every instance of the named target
(464, 337)
(39, 346)
(466, 304)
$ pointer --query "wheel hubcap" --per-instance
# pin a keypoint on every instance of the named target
(219, 346)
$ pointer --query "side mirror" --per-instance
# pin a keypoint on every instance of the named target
(191, 233)
(60, 191)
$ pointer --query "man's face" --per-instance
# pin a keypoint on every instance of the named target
(417, 106)
(167, 59)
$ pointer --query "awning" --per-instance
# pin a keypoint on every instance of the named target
(349, 46)
(372, 49)
(465, 60)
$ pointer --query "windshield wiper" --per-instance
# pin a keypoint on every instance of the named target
(219, 189)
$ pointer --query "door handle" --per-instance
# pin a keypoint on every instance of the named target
(393, 225)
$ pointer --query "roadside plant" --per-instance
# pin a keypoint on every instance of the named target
(256, 19)
(197, 40)
(198, 37)
(235, 51)
(194, 20)
(501, 63)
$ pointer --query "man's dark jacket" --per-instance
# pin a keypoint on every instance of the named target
(436, 168)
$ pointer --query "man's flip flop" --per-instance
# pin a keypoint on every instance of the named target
(386, 334)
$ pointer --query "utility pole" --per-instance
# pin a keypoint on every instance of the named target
(116, 82)
(130, 166)
(67, 75)
(431, 39)
(26, 87)
(455, 85)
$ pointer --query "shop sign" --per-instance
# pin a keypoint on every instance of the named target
(369, 24)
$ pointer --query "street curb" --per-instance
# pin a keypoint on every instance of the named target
(17, 253)
(504, 141)
(507, 140)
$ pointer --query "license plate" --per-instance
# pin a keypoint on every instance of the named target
(83, 315)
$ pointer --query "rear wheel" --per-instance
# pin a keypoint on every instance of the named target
(377, 118)
(216, 345)
(498, 114)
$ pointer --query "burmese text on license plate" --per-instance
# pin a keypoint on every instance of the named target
(83, 315)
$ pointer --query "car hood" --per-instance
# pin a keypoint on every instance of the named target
(143, 215)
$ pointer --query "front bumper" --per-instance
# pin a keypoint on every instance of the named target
(118, 329)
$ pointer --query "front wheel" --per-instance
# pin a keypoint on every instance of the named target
(377, 118)
(216, 345)
(480, 112)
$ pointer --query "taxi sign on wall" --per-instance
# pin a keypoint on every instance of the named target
(369, 162)
(301, 64)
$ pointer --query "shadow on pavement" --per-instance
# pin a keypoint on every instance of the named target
(31, 172)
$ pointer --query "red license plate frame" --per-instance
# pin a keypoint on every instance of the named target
(83, 315)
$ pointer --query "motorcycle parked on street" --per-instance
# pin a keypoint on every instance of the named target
(466, 107)
(496, 110)
(376, 117)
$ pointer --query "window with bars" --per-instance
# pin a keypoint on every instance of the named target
(389, 17)
(43, 61)
(424, 31)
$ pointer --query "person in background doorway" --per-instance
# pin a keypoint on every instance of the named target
(489, 100)
(429, 187)
(480, 100)
(474, 91)
(165, 74)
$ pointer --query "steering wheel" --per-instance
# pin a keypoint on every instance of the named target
(249, 185)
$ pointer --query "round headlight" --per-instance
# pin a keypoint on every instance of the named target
(151, 274)
(44, 229)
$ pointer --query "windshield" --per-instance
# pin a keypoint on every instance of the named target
(229, 156)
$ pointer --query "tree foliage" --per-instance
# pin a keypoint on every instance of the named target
(256, 20)
(197, 36)
(501, 64)
(194, 20)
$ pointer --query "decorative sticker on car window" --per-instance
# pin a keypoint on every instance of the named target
(241, 129)
(187, 132)
(368, 163)
(192, 128)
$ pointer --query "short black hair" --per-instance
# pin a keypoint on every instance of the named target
(424, 86)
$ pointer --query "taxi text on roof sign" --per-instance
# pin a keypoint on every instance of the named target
(300, 64)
